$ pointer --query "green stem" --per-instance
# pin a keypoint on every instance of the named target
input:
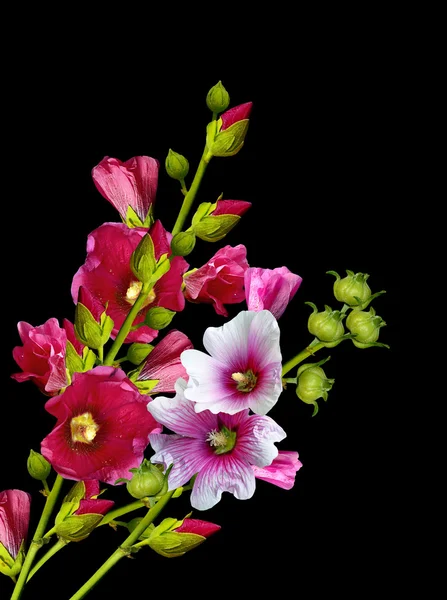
(45, 487)
(101, 354)
(189, 198)
(126, 326)
(51, 552)
(118, 512)
(124, 549)
(37, 538)
(309, 351)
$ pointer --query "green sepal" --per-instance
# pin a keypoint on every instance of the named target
(211, 131)
(106, 326)
(132, 219)
(87, 329)
(146, 387)
(8, 565)
(142, 260)
(89, 358)
(66, 510)
(172, 544)
(161, 268)
(158, 317)
(76, 493)
(229, 141)
(73, 361)
(138, 352)
(76, 528)
(203, 210)
(215, 228)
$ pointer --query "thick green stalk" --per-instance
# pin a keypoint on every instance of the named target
(190, 196)
(37, 538)
(124, 549)
(127, 325)
(309, 351)
(118, 512)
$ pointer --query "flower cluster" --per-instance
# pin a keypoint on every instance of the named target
(159, 415)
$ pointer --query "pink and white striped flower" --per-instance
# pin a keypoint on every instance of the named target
(242, 369)
(282, 471)
(220, 448)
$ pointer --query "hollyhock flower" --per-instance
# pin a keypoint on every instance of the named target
(42, 356)
(242, 369)
(270, 289)
(174, 538)
(102, 427)
(14, 521)
(90, 503)
(233, 115)
(132, 183)
(230, 207)
(219, 448)
(71, 336)
(220, 281)
(203, 528)
(107, 275)
(163, 364)
(282, 471)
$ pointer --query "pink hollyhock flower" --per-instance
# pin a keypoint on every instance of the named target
(243, 368)
(233, 115)
(270, 289)
(131, 183)
(107, 276)
(163, 363)
(14, 520)
(220, 449)
(71, 336)
(203, 528)
(220, 281)
(231, 207)
(91, 504)
(282, 471)
(102, 427)
(42, 356)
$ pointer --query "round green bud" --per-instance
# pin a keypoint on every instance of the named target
(137, 352)
(312, 384)
(183, 243)
(327, 325)
(147, 480)
(38, 466)
(365, 325)
(352, 289)
(177, 166)
(159, 317)
(218, 98)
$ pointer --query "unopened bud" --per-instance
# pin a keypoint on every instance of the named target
(177, 166)
(312, 384)
(218, 98)
(366, 327)
(38, 466)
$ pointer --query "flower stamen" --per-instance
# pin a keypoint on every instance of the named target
(223, 441)
(83, 428)
(246, 382)
(133, 291)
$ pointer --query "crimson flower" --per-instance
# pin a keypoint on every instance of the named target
(107, 276)
(102, 427)
(233, 115)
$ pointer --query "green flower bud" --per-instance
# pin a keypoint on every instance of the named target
(38, 466)
(312, 384)
(147, 480)
(183, 243)
(9, 565)
(137, 352)
(218, 98)
(87, 329)
(159, 317)
(327, 326)
(366, 327)
(176, 165)
(353, 289)
(142, 260)
(75, 528)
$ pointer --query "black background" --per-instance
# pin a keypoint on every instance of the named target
(321, 166)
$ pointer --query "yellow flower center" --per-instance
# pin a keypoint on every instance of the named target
(246, 382)
(83, 428)
(133, 291)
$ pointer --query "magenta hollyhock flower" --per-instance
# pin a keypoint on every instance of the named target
(131, 183)
(242, 369)
(220, 281)
(282, 471)
(270, 289)
(15, 508)
(102, 427)
(231, 207)
(71, 336)
(164, 364)
(203, 528)
(42, 356)
(233, 115)
(107, 276)
(219, 448)
(91, 504)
